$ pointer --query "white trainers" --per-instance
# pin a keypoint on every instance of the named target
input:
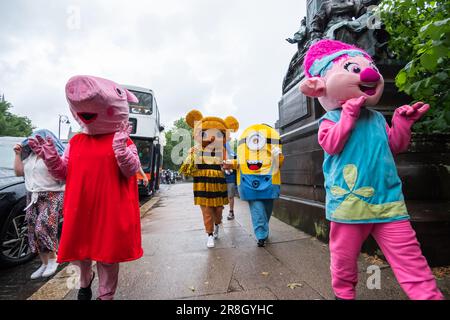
(216, 231)
(210, 243)
(51, 268)
(38, 273)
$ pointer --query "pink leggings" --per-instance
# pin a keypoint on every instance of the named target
(398, 242)
(108, 274)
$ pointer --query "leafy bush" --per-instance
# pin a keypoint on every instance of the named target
(420, 36)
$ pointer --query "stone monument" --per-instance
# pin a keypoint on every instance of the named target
(426, 178)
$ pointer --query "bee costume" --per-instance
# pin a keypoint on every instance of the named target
(210, 187)
(204, 164)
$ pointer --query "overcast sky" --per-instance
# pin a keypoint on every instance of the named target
(223, 57)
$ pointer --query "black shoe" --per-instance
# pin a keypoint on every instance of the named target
(86, 293)
(337, 298)
(261, 243)
(230, 216)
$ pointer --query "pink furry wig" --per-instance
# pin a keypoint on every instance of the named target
(323, 48)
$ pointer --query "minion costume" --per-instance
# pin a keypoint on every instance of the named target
(258, 175)
(204, 164)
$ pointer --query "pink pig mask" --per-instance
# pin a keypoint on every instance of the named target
(99, 105)
(337, 72)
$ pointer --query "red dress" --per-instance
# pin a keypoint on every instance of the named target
(101, 206)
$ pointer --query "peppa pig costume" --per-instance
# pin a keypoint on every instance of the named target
(363, 190)
(101, 205)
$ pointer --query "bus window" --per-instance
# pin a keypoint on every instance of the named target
(133, 124)
(144, 148)
(145, 104)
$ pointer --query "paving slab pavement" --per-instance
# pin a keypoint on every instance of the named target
(177, 265)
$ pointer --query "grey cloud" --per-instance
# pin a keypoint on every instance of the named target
(192, 53)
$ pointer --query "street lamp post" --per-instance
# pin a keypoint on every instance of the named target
(62, 119)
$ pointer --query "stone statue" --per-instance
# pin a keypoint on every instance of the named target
(349, 21)
(301, 35)
(332, 12)
(362, 31)
(349, 30)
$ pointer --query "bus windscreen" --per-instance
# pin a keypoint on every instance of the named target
(144, 148)
(145, 104)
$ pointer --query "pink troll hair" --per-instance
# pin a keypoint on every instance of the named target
(324, 48)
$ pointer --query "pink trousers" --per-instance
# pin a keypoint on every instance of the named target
(108, 275)
(398, 242)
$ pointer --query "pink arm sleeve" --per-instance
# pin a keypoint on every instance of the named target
(127, 159)
(399, 135)
(333, 136)
(57, 166)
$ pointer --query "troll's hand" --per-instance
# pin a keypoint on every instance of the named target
(353, 106)
(410, 114)
(43, 148)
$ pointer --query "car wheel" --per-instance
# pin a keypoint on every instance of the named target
(14, 246)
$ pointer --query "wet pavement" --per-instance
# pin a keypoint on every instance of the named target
(177, 265)
(15, 283)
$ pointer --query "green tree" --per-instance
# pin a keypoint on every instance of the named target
(420, 35)
(13, 125)
(178, 125)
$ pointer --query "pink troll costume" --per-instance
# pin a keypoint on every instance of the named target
(363, 190)
(101, 204)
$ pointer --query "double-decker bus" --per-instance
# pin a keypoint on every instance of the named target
(146, 135)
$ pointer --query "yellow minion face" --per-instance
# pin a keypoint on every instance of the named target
(255, 149)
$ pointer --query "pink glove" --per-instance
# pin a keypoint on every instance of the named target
(333, 136)
(46, 149)
(404, 117)
(121, 136)
(127, 156)
(352, 107)
(410, 114)
(43, 148)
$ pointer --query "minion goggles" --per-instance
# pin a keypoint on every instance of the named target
(256, 141)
